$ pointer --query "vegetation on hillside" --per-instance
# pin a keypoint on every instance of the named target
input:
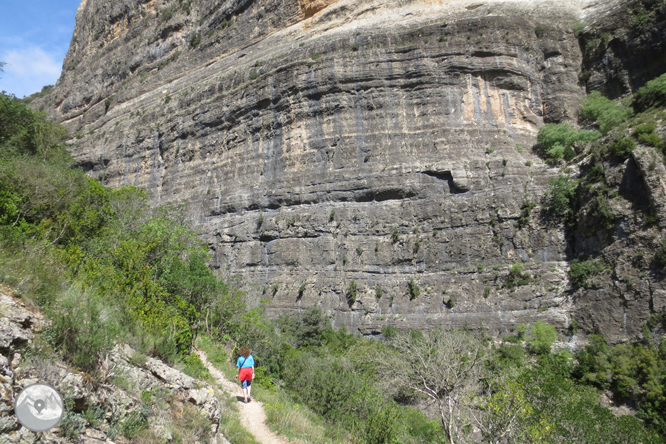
(102, 263)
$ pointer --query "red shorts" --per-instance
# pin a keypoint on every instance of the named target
(245, 374)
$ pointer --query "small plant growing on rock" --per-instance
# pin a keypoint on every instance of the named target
(195, 40)
(359, 250)
(651, 95)
(561, 199)
(354, 47)
(378, 292)
(622, 148)
(413, 289)
(417, 246)
(301, 290)
(516, 276)
(539, 31)
(581, 271)
(525, 211)
(389, 332)
(395, 236)
(331, 216)
(352, 292)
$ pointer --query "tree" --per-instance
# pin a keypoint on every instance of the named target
(444, 366)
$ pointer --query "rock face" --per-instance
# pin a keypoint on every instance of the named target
(371, 157)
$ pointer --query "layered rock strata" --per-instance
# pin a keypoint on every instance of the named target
(370, 157)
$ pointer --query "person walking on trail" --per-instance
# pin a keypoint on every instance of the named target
(245, 374)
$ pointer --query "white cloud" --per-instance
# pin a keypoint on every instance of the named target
(28, 70)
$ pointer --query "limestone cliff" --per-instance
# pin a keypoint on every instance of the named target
(368, 156)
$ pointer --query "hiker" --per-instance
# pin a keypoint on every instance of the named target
(245, 374)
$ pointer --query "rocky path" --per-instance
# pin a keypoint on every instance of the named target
(252, 414)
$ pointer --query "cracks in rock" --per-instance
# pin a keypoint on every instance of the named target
(447, 176)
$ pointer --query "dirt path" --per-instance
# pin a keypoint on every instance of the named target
(252, 414)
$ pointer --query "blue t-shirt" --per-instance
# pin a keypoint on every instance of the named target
(245, 363)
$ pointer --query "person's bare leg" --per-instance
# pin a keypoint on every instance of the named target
(249, 390)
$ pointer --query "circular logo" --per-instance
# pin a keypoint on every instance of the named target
(39, 407)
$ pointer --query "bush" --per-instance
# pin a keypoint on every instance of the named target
(525, 211)
(651, 139)
(561, 199)
(581, 271)
(352, 292)
(82, 329)
(622, 148)
(563, 134)
(134, 422)
(607, 113)
(516, 277)
(413, 289)
(651, 95)
(389, 332)
(644, 128)
(195, 40)
(194, 367)
(646, 135)
(558, 140)
(541, 338)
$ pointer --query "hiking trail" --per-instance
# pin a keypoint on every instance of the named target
(252, 415)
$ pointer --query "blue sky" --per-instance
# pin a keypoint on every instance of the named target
(34, 38)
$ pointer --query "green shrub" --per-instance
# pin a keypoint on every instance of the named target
(651, 139)
(195, 40)
(83, 329)
(389, 331)
(516, 276)
(525, 211)
(561, 199)
(352, 292)
(644, 128)
(581, 271)
(413, 289)
(601, 214)
(622, 148)
(71, 426)
(556, 152)
(541, 338)
(194, 367)
(607, 113)
(134, 422)
(651, 95)
(552, 134)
